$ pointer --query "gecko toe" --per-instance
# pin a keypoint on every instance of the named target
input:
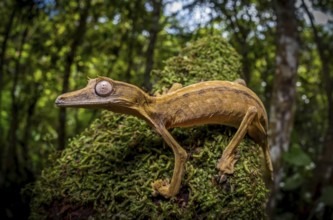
(222, 178)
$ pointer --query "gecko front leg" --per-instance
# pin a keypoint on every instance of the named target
(228, 159)
(163, 187)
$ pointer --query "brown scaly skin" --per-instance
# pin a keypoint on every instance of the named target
(211, 102)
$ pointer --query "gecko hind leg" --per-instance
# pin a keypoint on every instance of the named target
(229, 157)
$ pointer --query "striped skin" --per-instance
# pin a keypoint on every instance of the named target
(211, 102)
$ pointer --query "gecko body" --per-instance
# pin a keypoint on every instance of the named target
(210, 102)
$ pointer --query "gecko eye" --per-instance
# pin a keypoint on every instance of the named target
(103, 88)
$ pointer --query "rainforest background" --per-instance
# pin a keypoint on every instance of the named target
(48, 47)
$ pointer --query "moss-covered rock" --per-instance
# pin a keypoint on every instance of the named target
(106, 172)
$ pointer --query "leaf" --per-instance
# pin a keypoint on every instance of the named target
(296, 156)
(293, 182)
(327, 195)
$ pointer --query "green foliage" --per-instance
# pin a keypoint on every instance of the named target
(297, 157)
(107, 171)
(302, 166)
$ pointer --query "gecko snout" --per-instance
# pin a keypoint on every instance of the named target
(59, 101)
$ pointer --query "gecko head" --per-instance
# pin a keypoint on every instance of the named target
(102, 92)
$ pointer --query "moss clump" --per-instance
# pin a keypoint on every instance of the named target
(106, 172)
(207, 59)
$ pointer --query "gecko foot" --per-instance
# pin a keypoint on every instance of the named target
(161, 187)
(226, 166)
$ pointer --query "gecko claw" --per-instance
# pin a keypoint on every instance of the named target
(226, 166)
(222, 178)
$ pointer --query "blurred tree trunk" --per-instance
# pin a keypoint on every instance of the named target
(13, 158)
(154, 30)
(284, 88)
(76, 41)
(323, 172)
(133, 14)
(130, 56)
(36, 89)
(115, 51)
(240, 33)
(4, 147)
(3, 50)
(243, 34)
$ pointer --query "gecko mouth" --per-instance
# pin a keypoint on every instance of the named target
(62, 102)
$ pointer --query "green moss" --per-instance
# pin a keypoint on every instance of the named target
(106, 172)
(207, 59)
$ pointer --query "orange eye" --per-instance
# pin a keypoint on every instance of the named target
(103, 88)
